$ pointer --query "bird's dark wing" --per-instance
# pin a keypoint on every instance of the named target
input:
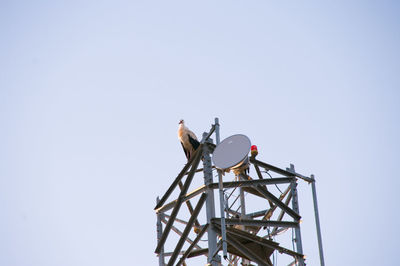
(195, 143)
(186, 152)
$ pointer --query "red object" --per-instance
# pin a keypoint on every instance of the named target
(254, 150)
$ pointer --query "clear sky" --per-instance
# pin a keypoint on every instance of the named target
(91, 93)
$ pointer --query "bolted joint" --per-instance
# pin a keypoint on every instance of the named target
(216, 259)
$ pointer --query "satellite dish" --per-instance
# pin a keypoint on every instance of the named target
(232, 152)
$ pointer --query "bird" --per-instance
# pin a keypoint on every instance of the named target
(188, 140)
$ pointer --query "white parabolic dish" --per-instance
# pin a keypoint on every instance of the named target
(231, 151)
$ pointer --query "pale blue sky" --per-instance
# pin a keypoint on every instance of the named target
(91, 93)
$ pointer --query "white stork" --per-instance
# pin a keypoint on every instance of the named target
(188, 140)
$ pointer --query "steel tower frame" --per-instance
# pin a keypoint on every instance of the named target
(234, 233)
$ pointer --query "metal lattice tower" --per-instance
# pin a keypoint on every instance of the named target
(243, 235)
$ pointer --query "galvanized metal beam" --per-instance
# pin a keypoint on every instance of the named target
(242, 200)
(279, 170)
(234, 213)
(169, 254)
(314, 192)
(295, 206)
(210, 205)
(280, 217)
(198, 252)
(187, 229)
(190, 248)
(161, 261)
(258, 213)
(206, 136)
(189, 205)
(221, 198)
(188, 196)
(176, 219)
(175, 211)
(253, 183)
(272, 197)
(270, 167)
(179, 177)
(198, 170)
(271, 211)
(250, 222)
(305, 178)
(282, 205)
(260, 176)
(176, 230)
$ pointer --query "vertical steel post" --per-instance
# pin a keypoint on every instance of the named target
(242, 204)
(221, 198)
(210, 205)
(295, 206)
(242, 198)
(226, 206)
(242, 210)
(314, 192)
(161, 261)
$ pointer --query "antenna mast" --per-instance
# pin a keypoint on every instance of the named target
(243, 232)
